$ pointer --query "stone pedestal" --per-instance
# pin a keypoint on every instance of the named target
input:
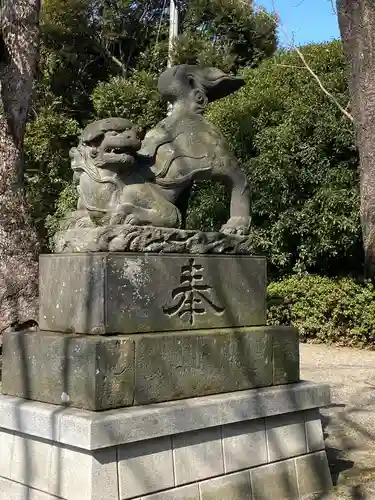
(261, 444)
(191, 396)
(112, 293)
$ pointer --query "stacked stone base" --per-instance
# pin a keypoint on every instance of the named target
(102, 373)
(154, 377)
(260, 444)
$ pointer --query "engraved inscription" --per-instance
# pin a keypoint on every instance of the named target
(192, 296)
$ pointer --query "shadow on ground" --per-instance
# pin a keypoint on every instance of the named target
(350, 446)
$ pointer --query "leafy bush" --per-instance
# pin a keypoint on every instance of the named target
(339, 311)
(48, 140)
(135, 98)
(296, 147)
(243, 31)
(299, 153)
(66, 203)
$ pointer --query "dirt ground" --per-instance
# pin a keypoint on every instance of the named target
(349, 424)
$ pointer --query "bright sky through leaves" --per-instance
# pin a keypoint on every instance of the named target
(305, 21)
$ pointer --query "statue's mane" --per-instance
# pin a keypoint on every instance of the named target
(85, 163)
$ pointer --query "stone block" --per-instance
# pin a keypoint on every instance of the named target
(83, 476)
(10, 490)
(85, 372)
(186, 365)
(145, 467)
(60, 471)
(6, 452)
(190, 492)
(230, 487)
(136, 293)
(197, 455)
(30, 462)
(92, 431)
(286, 436)
(314, 431)
(98, 373)
(285, 343)
(275, 481)
(244, 445)
(313, 474)
(79, 455)
(71, 293)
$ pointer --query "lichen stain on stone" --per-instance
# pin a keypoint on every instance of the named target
(134, 272)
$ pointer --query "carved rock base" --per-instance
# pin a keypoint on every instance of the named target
(99, 373)
(149, 239)
(113, 293)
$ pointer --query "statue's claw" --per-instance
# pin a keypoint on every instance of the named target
(132, 220)
(122, 214)
(237, 225)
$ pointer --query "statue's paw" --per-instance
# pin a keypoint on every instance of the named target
(239, 226)
(122, 215)
(132, 220)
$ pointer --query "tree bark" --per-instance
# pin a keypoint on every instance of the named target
(19, 246)
(357, 26)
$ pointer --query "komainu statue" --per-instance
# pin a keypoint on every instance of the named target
(114, 188)
(123, 181)
(185, 147)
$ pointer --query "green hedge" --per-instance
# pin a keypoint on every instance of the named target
(331, 310)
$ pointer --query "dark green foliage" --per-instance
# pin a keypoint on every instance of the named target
(74, 54)
(295, 145)
(48, 140)
(135, 98)
(245, 33)
(208, 207)
(67, 202)
(340, 311)
(103, 58)
(298, 150)
(196, 48)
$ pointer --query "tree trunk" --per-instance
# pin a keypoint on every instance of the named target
(357, 26)
(19, 248)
